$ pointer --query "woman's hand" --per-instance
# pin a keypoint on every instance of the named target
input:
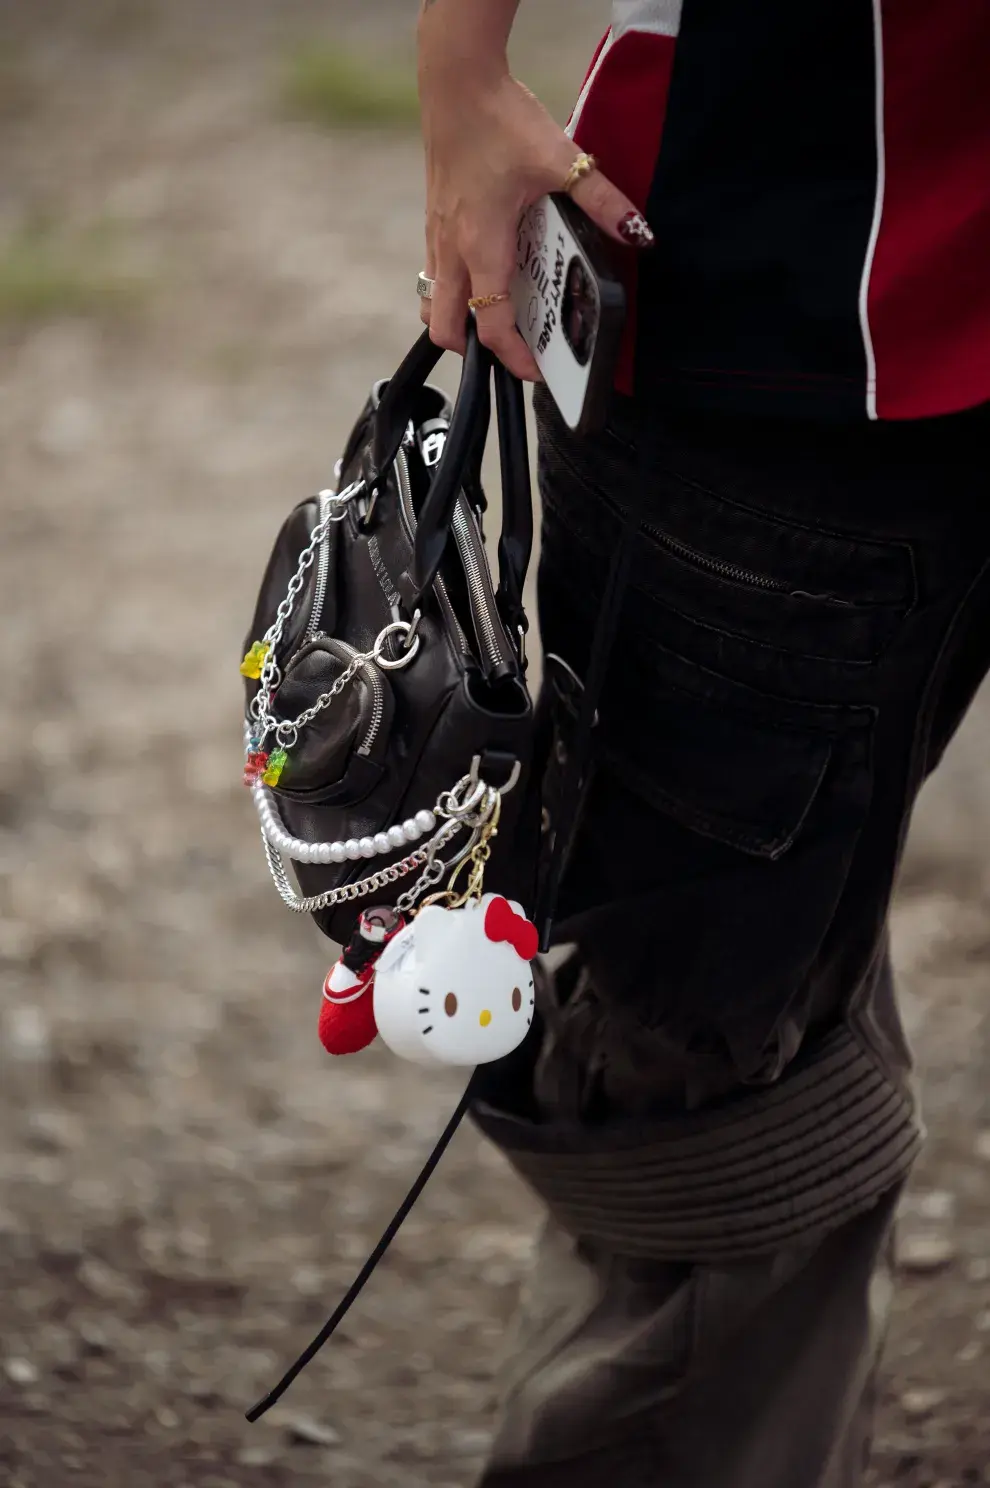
(491, 151)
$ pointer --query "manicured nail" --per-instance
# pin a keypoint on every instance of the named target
(635, 230)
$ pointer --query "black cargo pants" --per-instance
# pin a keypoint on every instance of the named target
(721, 1116)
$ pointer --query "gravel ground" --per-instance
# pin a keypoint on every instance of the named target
(184, 1185)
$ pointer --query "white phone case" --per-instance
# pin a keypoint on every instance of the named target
(558, 294)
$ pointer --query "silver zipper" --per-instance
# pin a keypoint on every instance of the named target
(466, 535)
(371, 676)
(409, 517)
(322, 574)
(716, 566)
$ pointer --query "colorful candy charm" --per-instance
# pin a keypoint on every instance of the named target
(347, 1015)
(255, 765)
(456, 986)
(254, 660)
(275, 766)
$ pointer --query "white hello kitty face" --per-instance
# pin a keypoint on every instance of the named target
(456, 986)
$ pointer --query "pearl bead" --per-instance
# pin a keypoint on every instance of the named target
(412, 830)
(382, 844)
(367, 846)
(305, 852)
(323, 853)
(338, 852)
(426, 821)
(352, 848)
(396, 836)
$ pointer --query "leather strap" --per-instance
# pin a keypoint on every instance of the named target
(459, 466)
(516, 543)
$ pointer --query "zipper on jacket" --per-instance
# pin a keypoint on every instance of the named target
(322, 574)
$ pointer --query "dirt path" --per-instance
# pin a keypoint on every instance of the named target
(183, 1186)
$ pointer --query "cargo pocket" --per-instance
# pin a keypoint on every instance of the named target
(720, 774)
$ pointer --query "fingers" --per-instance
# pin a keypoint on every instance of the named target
(455, 281)
(497, 329)
(614, 213)
(430, 270)
(448, 308)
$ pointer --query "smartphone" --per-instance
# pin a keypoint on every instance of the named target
(570, 307)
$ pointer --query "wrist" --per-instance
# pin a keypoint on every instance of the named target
(464, 46)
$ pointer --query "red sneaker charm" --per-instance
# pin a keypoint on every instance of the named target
(347, 1014)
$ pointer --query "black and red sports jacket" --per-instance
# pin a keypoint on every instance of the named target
(817, 174)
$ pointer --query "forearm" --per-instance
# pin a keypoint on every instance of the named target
(464, 40)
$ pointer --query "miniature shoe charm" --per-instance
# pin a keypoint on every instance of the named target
(347, 1014)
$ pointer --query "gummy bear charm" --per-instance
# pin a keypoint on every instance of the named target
(456, 985)
(347, 1014)
(255, 765)
(254, 660)
(275, 766)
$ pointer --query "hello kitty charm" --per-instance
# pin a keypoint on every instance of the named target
(455, 986)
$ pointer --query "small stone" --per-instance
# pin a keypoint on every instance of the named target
(257, 1456)
(166, 1417)
(52, 1131)
(978, 1269)
(921, 1402)
(20, 1371)
(983, 1321)
(922, 1255)
(26, 1034)
(982, 1145)
(104, 1282)
(938, 1203)
(470, 1443)
(304, 1431)
(969, 1352)
(92, 1338)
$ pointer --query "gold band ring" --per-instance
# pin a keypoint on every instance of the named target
(581, 167)
(485, 302)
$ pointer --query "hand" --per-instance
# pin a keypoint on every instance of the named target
(491, 151)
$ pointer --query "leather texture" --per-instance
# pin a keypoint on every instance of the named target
(465, 692)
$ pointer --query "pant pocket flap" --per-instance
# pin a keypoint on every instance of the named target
(743, 782)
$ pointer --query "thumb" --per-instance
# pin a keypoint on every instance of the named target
(613, 212)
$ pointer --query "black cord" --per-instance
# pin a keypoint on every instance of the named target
(364, 1275)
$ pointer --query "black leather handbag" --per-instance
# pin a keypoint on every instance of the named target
(385, 669)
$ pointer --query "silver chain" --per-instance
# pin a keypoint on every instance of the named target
(469, 815)
(287, 732)
(347, 893)
(271, 677)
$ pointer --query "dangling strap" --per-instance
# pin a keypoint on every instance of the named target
(601, 649)
(364, 1275)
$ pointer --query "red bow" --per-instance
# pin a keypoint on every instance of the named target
(502, 923)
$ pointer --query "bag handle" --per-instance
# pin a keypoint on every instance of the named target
(462, 450)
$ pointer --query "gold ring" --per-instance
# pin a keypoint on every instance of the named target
(581, 167)
(485, 302)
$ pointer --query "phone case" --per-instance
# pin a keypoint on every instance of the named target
(570, 307)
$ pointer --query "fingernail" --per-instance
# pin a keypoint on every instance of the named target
(635, 230)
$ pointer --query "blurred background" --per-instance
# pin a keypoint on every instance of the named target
(210, 224)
